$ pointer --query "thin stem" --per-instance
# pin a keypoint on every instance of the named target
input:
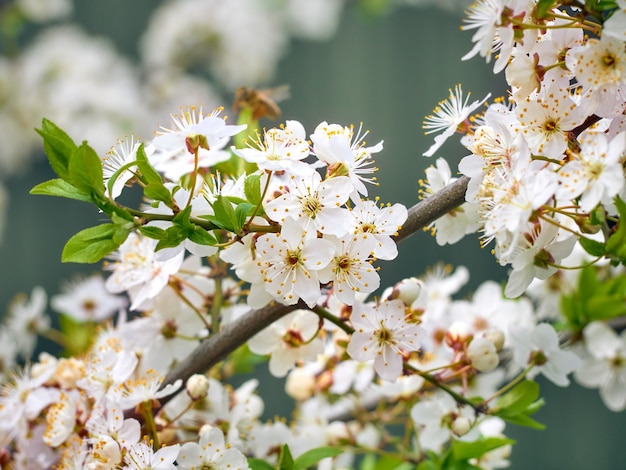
(323, 313)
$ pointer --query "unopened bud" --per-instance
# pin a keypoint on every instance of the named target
(483, 354)
(496, 336)
(300, 384)
(407, 290)
(197, 386)
(461, 425)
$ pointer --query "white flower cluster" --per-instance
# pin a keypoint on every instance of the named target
(543, 162)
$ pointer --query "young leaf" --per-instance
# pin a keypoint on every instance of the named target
(469, 450)
(616, 244)
(94, 243)
(311, 457)
(151, 231)
(60, 188)
(58, 146)
(518, 399)
(593, 247)
(202, 237)
(259, 464)
(85, 170)
(285, 460)
(252, 188)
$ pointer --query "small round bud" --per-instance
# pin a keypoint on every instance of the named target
(458, 335)
(300, 384)
(496, 336)
(461, 425)
(483, 354)
(407, 290)
(197, 386)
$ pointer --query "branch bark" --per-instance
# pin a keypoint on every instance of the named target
(217, 347)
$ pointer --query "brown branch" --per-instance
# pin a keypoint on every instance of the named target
(231, 336)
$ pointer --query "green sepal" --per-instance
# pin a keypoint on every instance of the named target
(462, 450)
(58, 147)
(85, 170)
(313, 456)
(61, 188)
(92, 244)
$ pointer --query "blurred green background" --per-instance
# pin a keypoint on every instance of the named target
(387, 72)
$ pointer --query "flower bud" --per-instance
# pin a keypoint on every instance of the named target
(407, 290)
(483, 354)
(496, 336)
(197, 386)
(300, 384)
(461, 425)
(458, 335)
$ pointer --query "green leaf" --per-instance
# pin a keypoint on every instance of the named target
(470, 450)
(616, 243)
(94, 243)
(202, 237)
(61, 188)
(593, 247)
(428, 465)
(158, 192)
(285, 460)
(524, 420)
(311, 457)
(225, 216)
(543, 7)
(85, 170)
(252, 188)
(174, 236)
(148, 173)
(259, 464)
(58, 146)
(151, 231)
(242, 212)
(518, 399)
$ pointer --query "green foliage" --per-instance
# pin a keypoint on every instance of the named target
(596, 298)
(85, 170)
(385, 462)
(616, 243)
(471, 450)
(92, 244)
(58, 147)
(517, 405)
(81, 334)
(61, 188)
(543, 8)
